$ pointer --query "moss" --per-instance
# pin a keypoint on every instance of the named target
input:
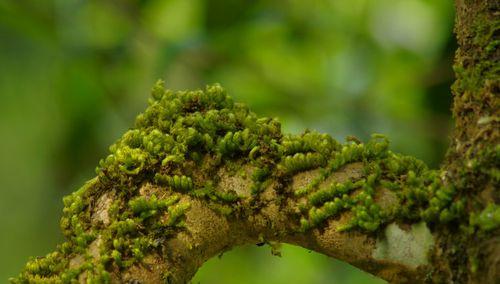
(222, 209)
(176, 182)
(379, 164)
(488, 219)
(147, 207)
(177, 212)
(175, 153)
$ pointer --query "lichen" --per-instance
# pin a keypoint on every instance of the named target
(406, 247)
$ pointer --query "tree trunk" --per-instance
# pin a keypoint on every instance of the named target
(473, 158)
(200, 174)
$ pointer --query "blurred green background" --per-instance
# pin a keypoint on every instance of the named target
(74, 73)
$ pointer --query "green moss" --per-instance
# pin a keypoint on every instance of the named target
(259, 177)
(379, 164)
(309, 141)
(167, 146)
(222, 209)
(147, 207)
(301, 162)
(176, 182)
(488, 219)
(238, 142)
(177, 148)
(175, 213)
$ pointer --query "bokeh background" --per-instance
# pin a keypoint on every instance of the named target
(74, 73)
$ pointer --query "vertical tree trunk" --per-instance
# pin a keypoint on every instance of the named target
(472, 163)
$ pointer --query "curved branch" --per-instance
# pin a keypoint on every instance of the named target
(200, 175)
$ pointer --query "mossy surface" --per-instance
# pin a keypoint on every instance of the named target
(176, 147)
(473, 158)
(176, 153)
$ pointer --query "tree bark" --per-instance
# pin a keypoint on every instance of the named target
(473, 157)
(199, 175)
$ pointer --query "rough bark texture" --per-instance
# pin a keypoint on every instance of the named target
(199, 174)
(472, 161)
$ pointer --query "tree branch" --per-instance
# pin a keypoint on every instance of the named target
(199, 174)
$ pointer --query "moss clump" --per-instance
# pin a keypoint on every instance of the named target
(488, 219)
(144, 207)
(176, 182)
(380, 165)
(177, 145)
(421, 193)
